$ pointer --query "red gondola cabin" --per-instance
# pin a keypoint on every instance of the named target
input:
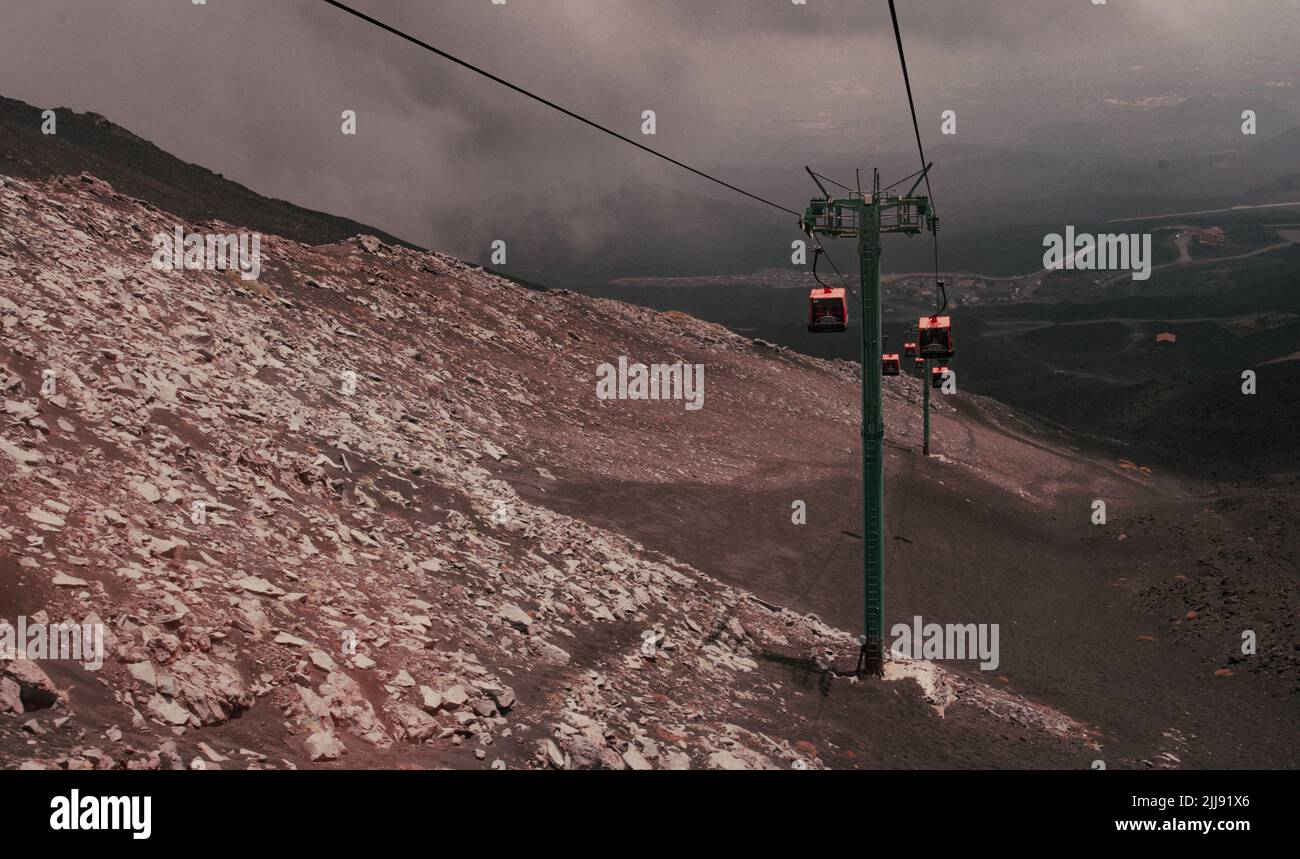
(889, 365)
(934, 337)
(937, 374)
(827, 310)
(909, 350)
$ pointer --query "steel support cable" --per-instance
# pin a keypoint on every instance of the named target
(833, 182)
(916, 127)
(505, 83)
(901, 181)
(494, 78)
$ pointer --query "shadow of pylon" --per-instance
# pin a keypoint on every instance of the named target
(808, 666)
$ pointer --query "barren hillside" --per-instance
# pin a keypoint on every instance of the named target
(495, 539)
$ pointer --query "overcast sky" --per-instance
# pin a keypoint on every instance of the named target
(749, 89)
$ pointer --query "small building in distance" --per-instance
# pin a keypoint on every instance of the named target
(1165, 338)
(1211, 236)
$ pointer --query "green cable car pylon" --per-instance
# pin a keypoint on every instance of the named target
(865, 216)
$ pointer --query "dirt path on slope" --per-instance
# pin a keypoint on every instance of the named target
(967, 543)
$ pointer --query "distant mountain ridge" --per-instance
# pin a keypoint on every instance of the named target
(138, 168)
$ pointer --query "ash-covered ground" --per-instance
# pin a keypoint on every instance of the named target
(454, 563)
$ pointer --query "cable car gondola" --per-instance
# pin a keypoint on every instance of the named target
(920, 364)
(938, 374)
(935, 337)
(827, 310)
(889, 365)
(909, 350)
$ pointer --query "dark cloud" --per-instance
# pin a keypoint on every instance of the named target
(751, 89)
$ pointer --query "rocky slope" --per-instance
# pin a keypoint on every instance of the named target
(358, 585)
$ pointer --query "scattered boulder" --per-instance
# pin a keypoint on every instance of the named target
(430, 700)
(257, 585)
(417, 725)
(454, 697)
(324, 746)
(549, 652)
(36, 690)
(516, 617)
